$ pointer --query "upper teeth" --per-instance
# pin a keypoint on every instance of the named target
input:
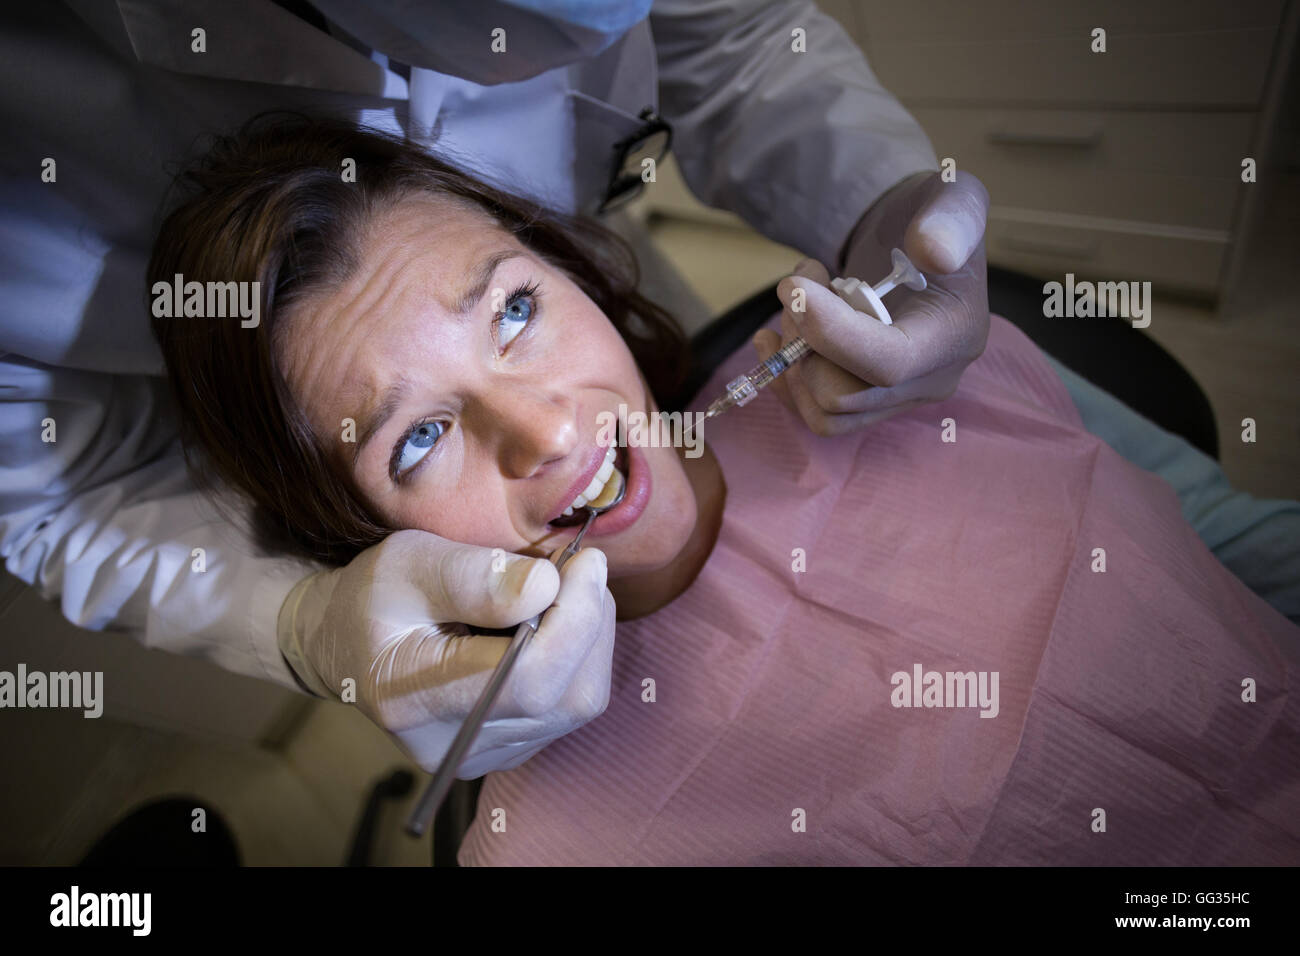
(597, 482)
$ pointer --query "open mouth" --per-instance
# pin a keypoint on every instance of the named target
(616, 460)
(576, 513)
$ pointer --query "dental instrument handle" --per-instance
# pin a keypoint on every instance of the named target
(441, 783)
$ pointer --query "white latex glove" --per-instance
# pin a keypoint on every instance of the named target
(862, 371)
(388, 620)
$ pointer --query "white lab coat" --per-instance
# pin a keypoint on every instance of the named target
(104, 518)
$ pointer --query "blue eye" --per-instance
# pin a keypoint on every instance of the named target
(413, 447)
(421, 437)
(519, 311)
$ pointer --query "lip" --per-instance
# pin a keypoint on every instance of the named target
(596, 459)
(634, 502)
(627, 511)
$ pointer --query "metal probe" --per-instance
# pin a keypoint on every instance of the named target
(436, 792)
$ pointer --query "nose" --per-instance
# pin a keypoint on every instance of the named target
(533, 430)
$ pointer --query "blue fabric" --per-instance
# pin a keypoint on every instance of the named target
(1257, 539)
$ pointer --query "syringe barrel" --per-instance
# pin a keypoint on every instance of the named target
(744, 389)
(792, 352)
(778, 362)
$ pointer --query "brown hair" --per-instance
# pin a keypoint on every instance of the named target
(269, 204)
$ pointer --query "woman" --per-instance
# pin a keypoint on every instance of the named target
(1043, 665)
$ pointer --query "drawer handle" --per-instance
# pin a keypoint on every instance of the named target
(1072, 140)
(1076, 250)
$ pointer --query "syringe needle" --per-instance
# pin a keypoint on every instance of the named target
(695, 422)
(699, 418)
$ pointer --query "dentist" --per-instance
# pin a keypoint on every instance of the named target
(773, 114)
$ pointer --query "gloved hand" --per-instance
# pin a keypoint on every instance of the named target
(389, 620)
(862, 371)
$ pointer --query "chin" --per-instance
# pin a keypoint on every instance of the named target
(658, 537)
(645, 557)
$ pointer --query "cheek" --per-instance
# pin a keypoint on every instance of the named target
(666, 526)
(598, 346)
(677, 504)
(474, 515)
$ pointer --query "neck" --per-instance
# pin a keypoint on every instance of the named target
(647, 593)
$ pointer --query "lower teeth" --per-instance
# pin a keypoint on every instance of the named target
(607, 494)
(612, 487)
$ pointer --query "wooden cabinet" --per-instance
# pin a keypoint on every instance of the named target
(1125, 164)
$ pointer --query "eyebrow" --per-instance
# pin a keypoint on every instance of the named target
(482, 276)
(376, 418)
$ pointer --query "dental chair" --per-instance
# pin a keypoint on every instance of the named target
(1110, 353)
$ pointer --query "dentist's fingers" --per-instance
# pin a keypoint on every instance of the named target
(524, 753)
(790, 387)
(945, 232)
(931, 329)
(809, 373)
(569, 629)
(767, 341)
(481, 587)
(588, 695)
(515, 741)
(944, 324)
(504, 757)
(933, 387)
(800, 386)
(830, 390)
(878, 404)
(832, 402)
(878, 354)
(816, 379)
(813, 270)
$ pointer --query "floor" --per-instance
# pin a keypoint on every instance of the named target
(294, 790)
(293, 805)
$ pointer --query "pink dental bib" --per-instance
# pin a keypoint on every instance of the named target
(786, 724)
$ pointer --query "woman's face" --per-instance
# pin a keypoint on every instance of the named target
(481, 425)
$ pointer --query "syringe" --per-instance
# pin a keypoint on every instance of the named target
(743, 389)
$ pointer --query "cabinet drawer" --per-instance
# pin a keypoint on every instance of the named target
(1161, 167)
(1185, 261)
(1215, 70)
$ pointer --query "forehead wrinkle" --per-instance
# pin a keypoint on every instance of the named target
(382, 397)
(382, 291)
(391, 287)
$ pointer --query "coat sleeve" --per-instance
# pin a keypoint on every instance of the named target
(799, 145)
(104, 519)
